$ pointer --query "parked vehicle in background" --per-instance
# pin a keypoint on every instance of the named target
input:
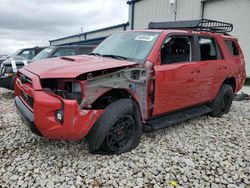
(59, 51)
(3, 58)
(147, 79)
(27, 53)
(9, 67)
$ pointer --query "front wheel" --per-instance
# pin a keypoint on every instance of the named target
(223, 101)
(118, 130)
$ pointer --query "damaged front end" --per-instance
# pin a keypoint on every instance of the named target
(52, 110)
(98, 89)
(68, 108)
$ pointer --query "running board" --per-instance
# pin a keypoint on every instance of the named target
(165, 121)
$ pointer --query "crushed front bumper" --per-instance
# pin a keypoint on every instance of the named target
(42, 118)
(38, 110)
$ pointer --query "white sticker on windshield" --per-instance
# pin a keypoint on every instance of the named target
(147, 38)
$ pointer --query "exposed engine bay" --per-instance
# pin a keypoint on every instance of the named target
(67, 89)
(98, 89)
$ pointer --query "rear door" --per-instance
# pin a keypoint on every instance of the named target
(212, 68)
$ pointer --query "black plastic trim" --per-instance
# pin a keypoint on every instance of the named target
(200, 25)
(26, 115)
(176, 117)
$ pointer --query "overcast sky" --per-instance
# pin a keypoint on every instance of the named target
(28, 23)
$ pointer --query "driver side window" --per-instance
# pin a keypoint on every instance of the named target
(176, 49)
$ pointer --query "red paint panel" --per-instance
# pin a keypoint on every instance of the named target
(63, 68)
(76, 123)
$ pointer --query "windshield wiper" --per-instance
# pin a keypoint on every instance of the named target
(95, 54)
(114, 56)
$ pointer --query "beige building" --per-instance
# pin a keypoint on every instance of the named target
(141, 12)
(236, 12)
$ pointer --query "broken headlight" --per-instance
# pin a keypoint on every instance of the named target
(67, 89)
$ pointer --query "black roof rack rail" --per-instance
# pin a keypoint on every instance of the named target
(200, 25)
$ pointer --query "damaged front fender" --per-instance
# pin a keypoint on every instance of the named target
(136, 81)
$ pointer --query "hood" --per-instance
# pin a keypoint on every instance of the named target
(18, 60)
(73, 66)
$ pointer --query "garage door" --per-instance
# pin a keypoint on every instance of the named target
(236, 12)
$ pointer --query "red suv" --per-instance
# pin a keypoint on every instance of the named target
(133, 80)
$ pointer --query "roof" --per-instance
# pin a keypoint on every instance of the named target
(94, 31)
(74, 46)
(184, 31)
(132, 1)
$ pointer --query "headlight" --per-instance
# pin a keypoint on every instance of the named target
(67, 89)
(59, 116)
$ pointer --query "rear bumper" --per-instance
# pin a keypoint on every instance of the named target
(7, 82)
(27, 116)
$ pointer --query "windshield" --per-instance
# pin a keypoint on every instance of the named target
(134, 46)
(44, 54)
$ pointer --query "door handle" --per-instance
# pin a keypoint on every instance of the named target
(225, 67)
(195, 71)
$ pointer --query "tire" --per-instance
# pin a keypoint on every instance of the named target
(120, 125)
(222, 102)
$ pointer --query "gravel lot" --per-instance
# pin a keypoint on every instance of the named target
(204, 152)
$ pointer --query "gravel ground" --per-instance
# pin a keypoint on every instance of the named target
(204, 152)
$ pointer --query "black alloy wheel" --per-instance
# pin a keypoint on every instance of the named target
(121, 133)
(118, 130)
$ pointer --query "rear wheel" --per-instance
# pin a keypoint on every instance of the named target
(118, 130)
(223, 101)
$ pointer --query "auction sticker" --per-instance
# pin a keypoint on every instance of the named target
(147, 38)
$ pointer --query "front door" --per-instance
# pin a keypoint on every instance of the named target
(175, 86)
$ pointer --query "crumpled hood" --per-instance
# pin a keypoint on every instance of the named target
(73, 66)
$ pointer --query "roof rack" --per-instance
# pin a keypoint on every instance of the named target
(200, 25)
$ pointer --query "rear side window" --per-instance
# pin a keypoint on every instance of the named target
(232, 47)
(209, 50)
